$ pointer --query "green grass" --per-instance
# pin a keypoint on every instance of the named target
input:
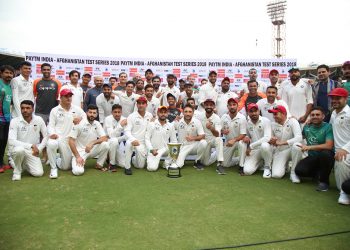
(150, 211)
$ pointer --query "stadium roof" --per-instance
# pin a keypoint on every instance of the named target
(11, 59)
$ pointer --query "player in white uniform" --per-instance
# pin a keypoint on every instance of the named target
(153, 102)
(159, 133)
(127, 98)
(256, 146)
(188, 93)
(269, 102)
(135, 131)
(208, 90)
(105, 101)
(170, 88)
(191, 101)
(212, 128)
(74, 87)
(62, 119)
(114, 127)
(24, 141)
(340, 121)
(88, 140)
(253, 76)
(286, 133)
(22, 88)
(191, 135)
(234, 129)
(224, 95)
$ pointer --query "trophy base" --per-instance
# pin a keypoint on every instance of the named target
(174, 172)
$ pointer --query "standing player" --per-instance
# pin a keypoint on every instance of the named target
(224, 95)
(127, 98)
(88, 140)
(135, 131)
(208, 90)
(74, 87)
(105, 101)
(170, 88)
(92, 93)
(24, 141)
(152, 101)
(174, 113)
(158, 135)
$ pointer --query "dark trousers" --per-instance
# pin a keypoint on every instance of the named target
(320, 165)
(4, 132)
(346, 186)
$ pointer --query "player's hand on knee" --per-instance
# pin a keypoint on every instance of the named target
(340, 155)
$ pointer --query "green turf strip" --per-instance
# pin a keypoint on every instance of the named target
(150, 211)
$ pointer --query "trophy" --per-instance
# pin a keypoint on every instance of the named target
(174, 150)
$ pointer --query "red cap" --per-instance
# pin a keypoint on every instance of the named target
(142, 99)
(252, 106)
(65, 92)
(347, 63)
(232, 100)
(278, 108)
(339, 92)
(226, 79)
(162, 107)
(274, 71)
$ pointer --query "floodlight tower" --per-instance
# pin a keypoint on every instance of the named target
(276, 10)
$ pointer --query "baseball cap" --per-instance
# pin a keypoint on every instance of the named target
(252, 106)
(142, 99)
(278, 108)
(213, 72)
(347, 63)
(232, 100)
(339, 92)
(106, 85)
(162, 107)
(209, 100)
(293, 69)
(65, 92)
(274, 71)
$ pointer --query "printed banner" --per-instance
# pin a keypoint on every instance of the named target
(236, 69)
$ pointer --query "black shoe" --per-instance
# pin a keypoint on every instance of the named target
(220, 169)
(112, 168)
(128, 171)
(322, 187)
(198, 165)
(241, 171)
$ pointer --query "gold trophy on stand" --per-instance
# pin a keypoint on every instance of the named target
(174, 150)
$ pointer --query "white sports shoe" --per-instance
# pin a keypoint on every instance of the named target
(344, 198)
(267, 173)
(53, 173)
(16, 177)
(294, 178)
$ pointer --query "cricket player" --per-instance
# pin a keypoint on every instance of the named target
(105, 101)
(153, 102)
(208, 90)
(135, 131)
(24, 141)
(256, 146)
(159, 133)
(114, 126)
(62, 119)
(192, 136)
(127, 98)
(340, 121)
(211, 123)
(285, 133)
(234, 129)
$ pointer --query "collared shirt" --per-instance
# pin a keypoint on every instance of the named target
(166, 90)
(153, 105)
(78, 93)
(85, 133)
(297, 97)
(61, 120)
(46, 93)
(113, 128)
(137, 125)
(158, 136)
(22, 133)
(184, 98)
(127, 102)
(236, 125)
(221, 103)
(261, 87)
(5, 102)
(215, 120)
(290, 131)
(341, 128)
(259, 132)
(317, 135)
(193, 128)
(264, 107)
(21, 90)
(90, 97)
(207, 91)
(105, 106)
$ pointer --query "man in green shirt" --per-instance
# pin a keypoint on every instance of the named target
(318, 154)
(7, 72)
(346, 75)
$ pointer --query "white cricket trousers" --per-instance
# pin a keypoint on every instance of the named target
(229, 151)
(342, 171)
(116, 154)
(65, 153)
(100, 150)
(23, 159)
(280, 159)
(139, 161)
(153, 161)
(195, 148)
(256, 156)
(216, 143)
